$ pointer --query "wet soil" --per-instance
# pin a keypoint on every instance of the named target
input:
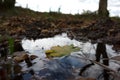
(20, 27)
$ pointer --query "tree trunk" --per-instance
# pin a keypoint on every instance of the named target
(102, 11)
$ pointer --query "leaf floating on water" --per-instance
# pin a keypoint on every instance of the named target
(58, 51)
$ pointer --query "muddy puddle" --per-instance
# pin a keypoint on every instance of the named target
(65, 67)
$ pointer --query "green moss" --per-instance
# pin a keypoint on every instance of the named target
(58, 51)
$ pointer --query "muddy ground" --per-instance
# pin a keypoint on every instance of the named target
(30, 27)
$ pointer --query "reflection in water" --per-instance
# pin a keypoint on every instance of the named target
(87, 48)
(101, 51)
(52, 69)
(100, 54)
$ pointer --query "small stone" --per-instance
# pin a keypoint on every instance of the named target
(20, 56)
(32, 57)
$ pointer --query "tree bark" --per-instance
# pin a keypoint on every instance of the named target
(102, 11)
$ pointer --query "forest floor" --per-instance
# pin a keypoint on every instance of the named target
(20, 23)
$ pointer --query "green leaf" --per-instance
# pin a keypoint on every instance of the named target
(58, 51)
(11, 45)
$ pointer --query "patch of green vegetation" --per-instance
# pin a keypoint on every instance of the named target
(116, 18)
(87, 15)
(8, 43)
(11, 45)
(18, 11)
(59, 51)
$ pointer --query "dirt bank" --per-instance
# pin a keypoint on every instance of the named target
(77, 27)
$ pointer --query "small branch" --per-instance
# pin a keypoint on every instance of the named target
(104, 66)
(100, 64)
